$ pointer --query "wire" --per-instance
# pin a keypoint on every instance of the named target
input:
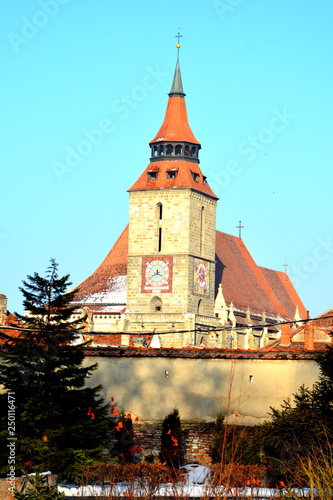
(207, 329)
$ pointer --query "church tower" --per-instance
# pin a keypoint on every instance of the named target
(162, 273)
(172, 214)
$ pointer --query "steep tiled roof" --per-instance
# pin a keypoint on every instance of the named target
(9, 319)
(175, 126)
(325, 319)
(185, 165)
(186, 172)
(285, 290)
(244, 283)
(106, 281)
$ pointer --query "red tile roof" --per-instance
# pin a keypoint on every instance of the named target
(114, 264)
(184, 179)
(9, 319)
(133, 352)
(175, 126)
(248, 285)
(244, 283)
(285, 290)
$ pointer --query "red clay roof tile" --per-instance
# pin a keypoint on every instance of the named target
(175, 126)
(243, 282)
(184, 178)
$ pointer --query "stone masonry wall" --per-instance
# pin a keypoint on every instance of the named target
(181, 238)
(197, 439)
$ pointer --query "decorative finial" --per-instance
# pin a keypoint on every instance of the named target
(178, 44)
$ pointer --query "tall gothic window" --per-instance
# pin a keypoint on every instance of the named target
(158, 223)
(202, 230)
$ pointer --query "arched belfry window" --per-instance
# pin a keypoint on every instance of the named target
(155, 305)
(200, 307)
(202, 230)
(158, 225)
(178, 149)
(169, 149)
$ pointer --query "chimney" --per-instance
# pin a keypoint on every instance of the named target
(3, 309)
(285, 334)
(3, 304)
(309, 337)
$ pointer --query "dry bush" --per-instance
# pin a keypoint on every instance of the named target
(144, 478)
(235, 475)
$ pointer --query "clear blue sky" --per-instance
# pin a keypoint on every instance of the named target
(258, 76)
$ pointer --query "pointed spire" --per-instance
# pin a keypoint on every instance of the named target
(297, 315)
(177, 84)
(231, 316)
(220, 304)
(248, 317)
(174, 161)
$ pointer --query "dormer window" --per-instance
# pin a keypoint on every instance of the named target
(204, 179)
(172, 174)
(195, 176)
(152, 174)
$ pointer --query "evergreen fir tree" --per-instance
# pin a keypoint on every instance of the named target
(218, 441)
(171, 441)
(304, 427)
(126, 449)
(234, 443)
(59, 422)
(39, 490)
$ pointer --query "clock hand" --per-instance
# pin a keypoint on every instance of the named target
(155, 274)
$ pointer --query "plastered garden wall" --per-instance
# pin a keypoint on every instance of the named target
(152, 385)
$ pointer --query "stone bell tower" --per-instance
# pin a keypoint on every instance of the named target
(172, 212)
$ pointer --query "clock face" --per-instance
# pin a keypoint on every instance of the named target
(156, 274)
(201, 277)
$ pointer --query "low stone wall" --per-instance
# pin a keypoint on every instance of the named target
(197, 439)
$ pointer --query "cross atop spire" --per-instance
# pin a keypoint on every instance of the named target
(178, 36)
(177, 84)
(240, 227)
